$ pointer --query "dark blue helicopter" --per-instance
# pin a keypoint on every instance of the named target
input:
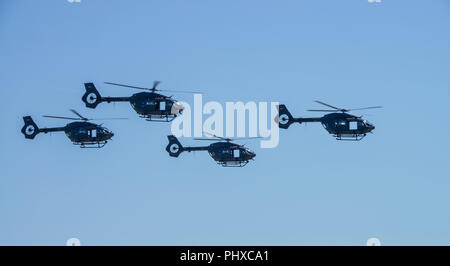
(225, 153)
(84, 134)
(339, 123)
(149, 105)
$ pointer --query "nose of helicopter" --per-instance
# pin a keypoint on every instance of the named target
(177, 108)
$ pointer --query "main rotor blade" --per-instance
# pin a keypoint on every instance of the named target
(365, 108)
(248, 138)
(75, 112)
(62, 117)
(112, 118)
(207, 139)
(151, 89)
(226, 139)
(222, 138)
(211, 134)
(128, 86)
(331, 106)
(313, 110)
(155, 84)
(199, 92)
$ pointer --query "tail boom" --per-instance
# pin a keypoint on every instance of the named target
(308, 120)
(285, 119)
(174, 148)
(92, 97)
(30, 129)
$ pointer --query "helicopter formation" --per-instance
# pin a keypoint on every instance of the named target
(157, 107)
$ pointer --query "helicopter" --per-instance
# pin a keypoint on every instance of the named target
(82, 133)
(224, 152)
(339, 123)
(149, 105)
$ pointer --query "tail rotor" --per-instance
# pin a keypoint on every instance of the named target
(30, 129)
(91, 97)
(174, 148)
(284, 118)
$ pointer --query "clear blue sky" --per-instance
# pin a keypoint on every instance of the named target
(312, 189)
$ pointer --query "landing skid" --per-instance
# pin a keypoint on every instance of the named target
(94, 144)
(159, 118)
(233, 163)
(349, 137)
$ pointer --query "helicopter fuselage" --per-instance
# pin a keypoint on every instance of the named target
(346, 124)
(343, 126)
(151, 103)
(228, 152)
(86, 132)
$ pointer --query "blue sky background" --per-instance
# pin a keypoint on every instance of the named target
(311, 190)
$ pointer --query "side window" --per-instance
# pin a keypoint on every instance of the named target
(162, 106)
(353, 125)
(94, 133)
(236, 153)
